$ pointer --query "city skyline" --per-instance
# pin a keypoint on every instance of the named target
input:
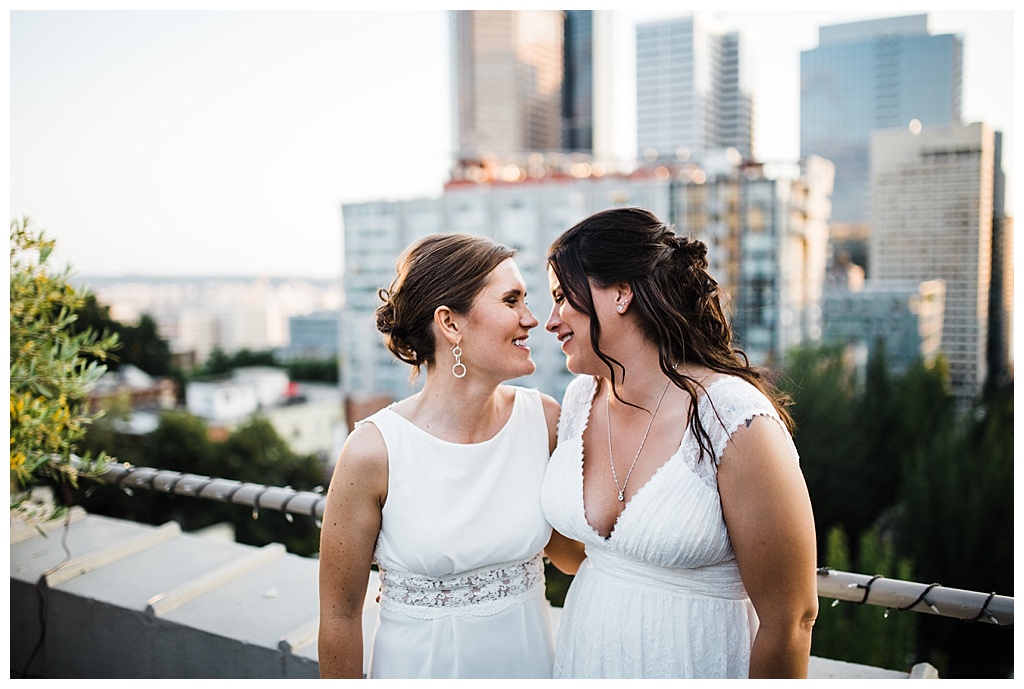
(189, 143)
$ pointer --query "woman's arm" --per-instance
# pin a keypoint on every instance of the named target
(768, 515)
(565, 553)
(351, 521)
(552, 410)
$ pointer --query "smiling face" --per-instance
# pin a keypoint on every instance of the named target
(497, 326)
(571, 327)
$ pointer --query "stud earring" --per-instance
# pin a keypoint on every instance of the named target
(458, 365)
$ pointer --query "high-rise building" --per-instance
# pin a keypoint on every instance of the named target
(869, 75)
(932, 213)
(692, 90)
(766, 242)
(507, 76)
(578, 85)
(1000, 340)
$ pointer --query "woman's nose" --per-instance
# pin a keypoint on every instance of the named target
(529, 321)
(553, 320)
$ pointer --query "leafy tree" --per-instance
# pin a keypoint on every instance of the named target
(141, 344)
(824, 393)
(322, 370)
(256, 453)
(957, 523)
(218, 362)
(52, 368)
(888, 458)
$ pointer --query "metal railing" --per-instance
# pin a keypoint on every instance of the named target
(891, 594)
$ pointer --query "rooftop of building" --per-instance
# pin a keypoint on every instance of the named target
(96, 597)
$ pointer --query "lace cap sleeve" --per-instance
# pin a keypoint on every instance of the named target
(575, 407)
(731, 402)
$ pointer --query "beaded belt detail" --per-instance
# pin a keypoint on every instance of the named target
(476, 592)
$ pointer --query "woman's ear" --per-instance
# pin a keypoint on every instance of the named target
(623, 296)
(447, 323)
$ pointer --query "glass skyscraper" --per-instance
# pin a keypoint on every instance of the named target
(870, 75)
(578, 86)
(692, 90)
(507, 72)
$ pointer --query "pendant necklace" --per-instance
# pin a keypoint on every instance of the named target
(608, 416)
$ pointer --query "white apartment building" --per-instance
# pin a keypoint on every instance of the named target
(787, 226)
(931, 216)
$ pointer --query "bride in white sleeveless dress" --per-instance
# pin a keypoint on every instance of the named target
(442, 489)
(698, 529)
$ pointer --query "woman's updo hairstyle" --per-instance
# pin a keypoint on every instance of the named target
(438, 270)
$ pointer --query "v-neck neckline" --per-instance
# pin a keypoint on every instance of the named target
(627, 503)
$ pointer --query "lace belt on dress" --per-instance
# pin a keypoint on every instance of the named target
(477, 592)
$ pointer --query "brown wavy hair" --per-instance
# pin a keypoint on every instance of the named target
(677, 302)
(438, 270)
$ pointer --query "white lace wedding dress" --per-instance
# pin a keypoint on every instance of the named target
(661, 597)
(459, 552)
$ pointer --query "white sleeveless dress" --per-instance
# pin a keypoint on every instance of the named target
(661, 597)
(459, 552)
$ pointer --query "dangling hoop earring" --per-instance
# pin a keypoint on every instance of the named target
(457, 352)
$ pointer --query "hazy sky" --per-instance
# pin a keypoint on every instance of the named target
(225, 142)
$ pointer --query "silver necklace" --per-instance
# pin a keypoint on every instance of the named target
(608, 416)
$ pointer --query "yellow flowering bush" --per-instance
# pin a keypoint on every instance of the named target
(52, 370)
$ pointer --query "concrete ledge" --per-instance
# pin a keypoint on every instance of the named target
(230, 611)
(163, 603)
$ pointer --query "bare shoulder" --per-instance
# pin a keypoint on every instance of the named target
(363, 463)
(365, 446)
(551, 408)
(552, 411)
(759, 440)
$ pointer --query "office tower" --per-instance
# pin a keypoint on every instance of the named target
(313, 335)
(766, 242)
(1000, 354)
(507, 76)
(931, 218)
(578, 85)
(864, 76)
(1000, 342)
(692, 90)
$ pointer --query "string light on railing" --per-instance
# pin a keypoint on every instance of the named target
(866, 587)
(129, 469)
(923, 597)
(256, 503)
(284, 508)
(984, 611)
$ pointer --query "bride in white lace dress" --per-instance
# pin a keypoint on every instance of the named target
(698, 528)
(442, 489)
